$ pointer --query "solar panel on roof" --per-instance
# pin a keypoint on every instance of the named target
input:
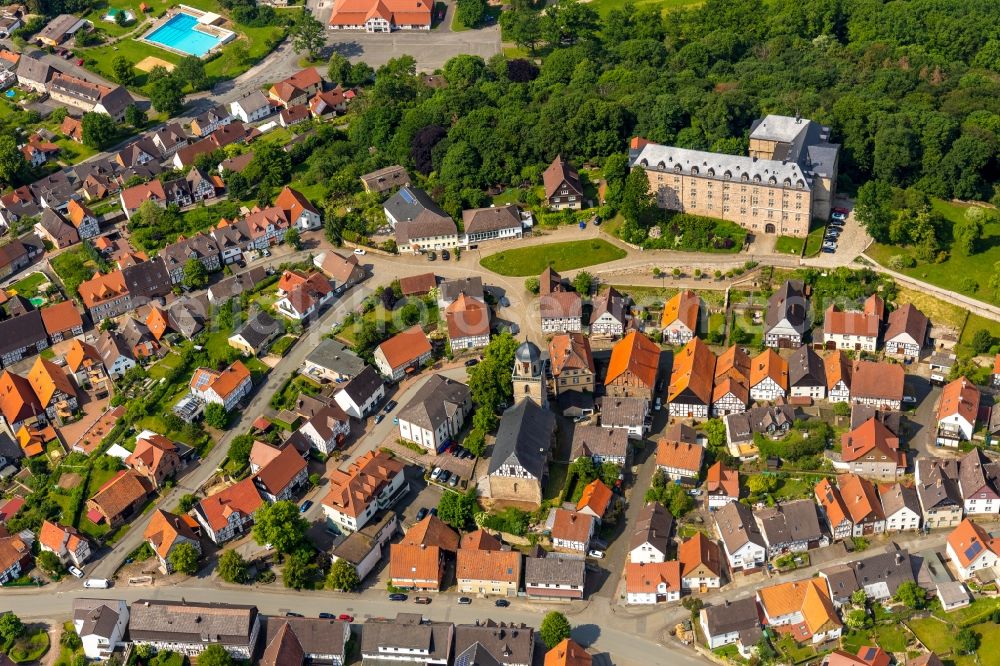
(870, 653)
(407, 197)
(973, 550)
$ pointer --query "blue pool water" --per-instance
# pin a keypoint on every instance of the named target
(179, 34)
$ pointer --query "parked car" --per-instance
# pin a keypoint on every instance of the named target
(76, 572)
(596, 554)
(445, 255)
(99, 583)
(379, 419)
(828, 250)
(434, 511)
(291, 614)
(344, 617)
(422, 600)
(456, 451)
(305, 506)
(327, 616)
(359, 251)
(436, 473)
(837, 223)
(421, 514)
(397, 596)
(389, 406)
(694, 492)
(395, 420)
(471, 362)
(445, 475)
(432, 255)
(830, 244)
(658, 404)
(453, 481)
(464, 601)
(838, 215)
(501, 603)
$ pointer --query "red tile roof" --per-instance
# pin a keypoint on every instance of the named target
(241, 497)
(405, 347)
(637, 354)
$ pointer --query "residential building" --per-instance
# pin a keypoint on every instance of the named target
(879, 385)
(600, 445)
(790, 527)
(872, 450)
(343, 272)
(416, 566)
(731, 394)
(690, 392)
(652, 582)
(418, 285)
(553, 577)
(722, 486)
(596, 500)
(156, 458)
(299, 211)
(361, 394)
(906, 333)
(67, 543)
(116, 355)
(281, 478)
(378, 17)
(561, 312)
(56, 393)
(326, 428)
(13, 256)
(941, 500)
(488, 572)
(489, 642)
(419, 223)
(854, 330)
(956, 412)
(165, 531)
(901, 507)
(305, 640)
(226, 387)
(881, 574)
(732, 622)
(188, 627)
(372, 482)
(119, 499)
(701, 563)
(432, 531)
(101, 625)
(251, 107)
(18, 401)
(385, 180)
(450, 290)
(562, 186)
(979, 483)
(332, 361)
(519, 464)
(407, 639)
(468, 324)
(568, 653)
(679, 322)
(15, 558)
(133, 197)
(436, 413)
(650, 540)
(404, 352)
(571, 363)
(806, 374)
(34, 74)
(364, 548)
(837, 368)
(741, 538)
(22, 336)
(493, 223)
(200, 246)
(302, 296)
(61, 320)
(679, 461)
(971, 549)
(634, 367)
(629, 414)
(90, 97)
(297, 88)
(785, 321)
(862, 503)
(256, 334)
(56, 229)
(210, 120)
(229, 513)
(768, 377)
(610, 314)
(802, 609)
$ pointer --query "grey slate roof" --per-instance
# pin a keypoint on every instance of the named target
(147, 279)
(260, 328)
(555, 571)
(116, 100)
(99, 616)
(507, 643)
(413, 204)
(788, 302)
(715, 165)
(482, 220)
(741, 427)
(735, 616)
(252, 102)
(363, 385)
(938, 485)
(449, 290)
(652, 526)
(591, 441)
(841, 580)
(807, 142)
(892, 567)
(805, 368)
(316, 636)
(524, 438)
(737, 527)
(409, 632)
(335, 356)
(862, 413)
(18, 332)
(611, 302)
(235, 285)
(789, 522)
(34, 70)
(385, 179)
(621, 412)
(897, 497)
(190, 622)
(9, 449)
(437, 401)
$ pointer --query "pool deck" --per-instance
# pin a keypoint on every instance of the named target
(206, 25)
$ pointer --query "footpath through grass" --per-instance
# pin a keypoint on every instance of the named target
(567, 256)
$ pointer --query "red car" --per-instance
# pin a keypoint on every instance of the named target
(344, 617)
(844, 211)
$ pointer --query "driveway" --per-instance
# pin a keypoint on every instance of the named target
(431, 49)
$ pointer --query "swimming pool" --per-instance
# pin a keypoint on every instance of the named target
(179, 34)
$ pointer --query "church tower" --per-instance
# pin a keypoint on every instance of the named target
(529, 375)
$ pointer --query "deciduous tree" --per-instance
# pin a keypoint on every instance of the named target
(231, 567)
(343, 576)
(281, 525)
(184, 559)
(554, 629)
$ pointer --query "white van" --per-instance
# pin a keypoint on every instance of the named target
(102, 583)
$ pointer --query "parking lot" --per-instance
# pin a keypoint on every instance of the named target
(431, 49)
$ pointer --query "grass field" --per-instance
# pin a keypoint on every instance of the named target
(605, 6)
(560, 256)
(789, 245)
(814, 241)
(952, 273)
(938, 311)
(938, 636)
(27, 286)
(974, 323)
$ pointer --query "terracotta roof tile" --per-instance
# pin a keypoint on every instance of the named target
(682, 307)
(414, 562)
(722, 480)
(164, 529)
(959, 397)
(493, 565)
(47, 379)
(122, 491)
(432, 531)
(61, 317)
(693, 372)
(699, 551)
(870, 438)
(277, 474)
(570, 351)
(646, 578)
(404, 347)
(568, 653)
(969, 540)
(572, 526)
(860, 498)
(687, 457)
(241, 497)
(596, 496)
(769, 364)
(17, 398)
(637, 354)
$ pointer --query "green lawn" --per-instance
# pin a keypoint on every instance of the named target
(282, 345)
(160, 369)
(789, 245)
(814, 241)
(976, 322)
(952, 273)
(30, 647)
(789, 488)
(28, 285)
(979, 610)
(561, 256)
(605, 6)
(891, 637)
(939, 637)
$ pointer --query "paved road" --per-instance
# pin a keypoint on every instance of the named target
(110, 562)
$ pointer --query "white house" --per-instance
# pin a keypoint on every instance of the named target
(652, 583)
(100, 624)
(803, 604)
(971, 549)
(956, 414)
(741, 538)
(901, 507)
(372, 482)
(226, 387)
(732, 622)
(436, 413)
(67, 543)
(651, 538)
(326, 428)
(359, 396)
(571, 530)
(251, 107)
(768, 376)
